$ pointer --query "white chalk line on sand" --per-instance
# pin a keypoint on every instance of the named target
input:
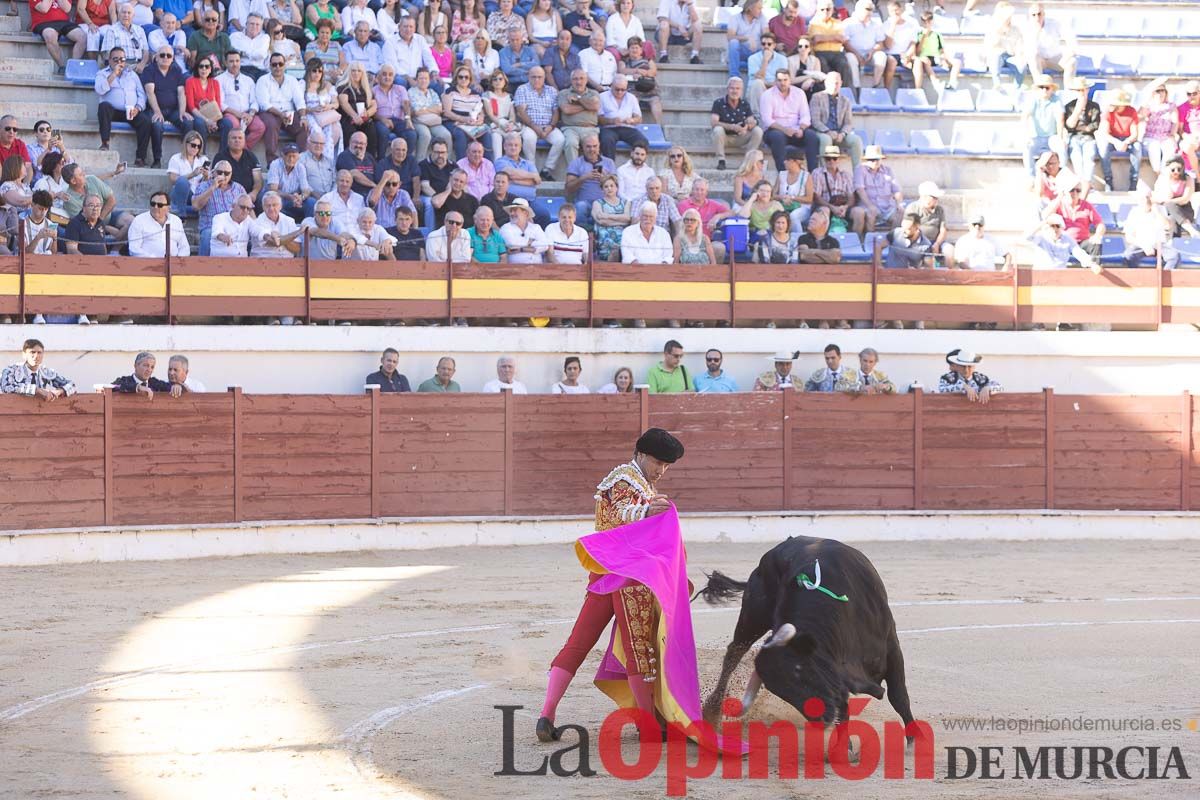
(27, 707)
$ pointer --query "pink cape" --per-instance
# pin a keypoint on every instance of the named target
(650, 552)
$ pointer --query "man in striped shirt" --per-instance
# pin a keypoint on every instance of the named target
(32, 379)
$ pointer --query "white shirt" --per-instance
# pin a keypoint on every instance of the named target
(566, 249)
(903, 36)
(193, 385)
(678, 14)
(180, 166)
(864, 36)
(352, 15)
(367, 248)
(1048, 41)
(238, 93)
(494, 387)
(32, 229)
(532, 235)
(407, 57)
(239, 232)
(345, 212)
(435, 247)
(482, 65)
(240, 10)
(263, 226)
(631, 180)
(147, 239)
(158, 40)
(982, 254)
(626, 110)
(1146, 229)
(655, 250)
(254, 51)
(286, 97)
(562, 388)
(617, 33)
(600, 67)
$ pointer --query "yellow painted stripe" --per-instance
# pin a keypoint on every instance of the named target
(497, 289)
(236, 286)
(660, 291)
(945, 295)
(95, 286)
(377, 289)
(1181, 296)
(10, 284)
(799, 292)
(1086, 296)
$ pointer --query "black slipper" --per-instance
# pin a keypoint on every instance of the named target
(546, 732)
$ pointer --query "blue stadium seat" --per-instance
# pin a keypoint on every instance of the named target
(546, 207)
(1159, 61)
(1112, 250)
(975, 25)
(82, 71)
(914, 100)
(1110, 66)
(1086, 66)
(892, 141)
(1009, 140)
(1160, 28)
(1121, 213)
(1106, 215)
(852, 248)
(149, 29)
(1189, 250)
(928, 142)
(1090, 24)
(655, 135)
(994, 101)
(971, 139)
(848, 93)
(956, 100)
(876, 99)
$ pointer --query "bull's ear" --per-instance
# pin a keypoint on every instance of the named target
(862, 685)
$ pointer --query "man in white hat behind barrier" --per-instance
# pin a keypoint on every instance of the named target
(1120, 134)
(780, 378)
(880, 198)
(525, 240)
(1055, 248)
(964, 379)
(932, 215)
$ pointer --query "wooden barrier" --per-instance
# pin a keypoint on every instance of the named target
(126, 460)
(359, 290)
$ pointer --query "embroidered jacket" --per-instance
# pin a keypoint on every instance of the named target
(953, 383)
(855, 381)
(772, 381)
(824, 379)
(19, 379)
(622, 497)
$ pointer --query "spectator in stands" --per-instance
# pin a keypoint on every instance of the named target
(1082, 220)
(204, 101)
(788, 28)
(621, 27)
(900, 30)
(46, 140)
(436, 171)
(712, 214)
(388, 195)
(979, 251)
(642, 74)
(833, 187)
(545, 24)
(274, 234)
(52, 180)
(1004, 45)
(622, 383)
(909, 247)
(619, 113)
(356, 12)
(669, 217)
(128, 37)
(243, 162)
(560, 61)
(238, 100)
(11, 145)
(392, 113)
(646, 243)
(866, 44)
(1044, 120)
(498, 198)
(327, 51)
(522, 176)
(759, 210)
(833, 119)
(178, 375)
(610, 215)
(778, 246)
(324, 240)
(359, 162)
(487, 243)
(669, 376)
(633, 174)
(732, 117)
(761, 68)
(479, 171)
(599, 64)
(281, 106)
(506, 369)
(142, 381)
(827, 377)
(281, 43)
(1147, 233)
(502, 23)
(744, 33)
(1081, 120)
(880, 198)
(536, 107)
(209, 40)
(1159, 124)
(409, 53)
(930, 52)
(679, 24)
(1054, 248)
(691, 246)
(1189, 125)
(779, 378)
(345, 202)
(929, 210)
(584, 177)
(809, 75)
(714, 379)
(525, 241)
(80, 185)
(231, 231)
(320, 10)
(254, 45)
(572, 367)
(482, 59)
(442, 381)
(454, 198)
(866, 379)
(40, 233)
(1049, 45)
(407, 169)
(569, 243)
(793, 187)
(516, 59)
(786, 118)
(462, 112)
(387, 378)
(1052, 178)
(680, 174)
(163, 84)
(410, 241)
(358, 109)
(30, 378)
(428, 119)
(150, 230)
(319, 168)
(450, 240)
(1173, 191)
(94, 17)
(14, 192)
(373, 242)
(240, 10)
(1120, 134)
(501, 117)
(963, 379)
(361, 50)
(579, 107)
(289, 178)
(122, 97)
(84, 234)
(828, 38)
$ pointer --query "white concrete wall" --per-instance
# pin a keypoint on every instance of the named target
(323, 359)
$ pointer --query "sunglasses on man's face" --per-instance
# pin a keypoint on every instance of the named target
(166, 56)
(117, 59)
(224, 172)
(11, 129)
(323, 214)
(154, 204)
(453, 222)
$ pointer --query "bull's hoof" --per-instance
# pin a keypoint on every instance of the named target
(546, 732)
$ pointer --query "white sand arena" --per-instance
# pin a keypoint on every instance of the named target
(374, 675)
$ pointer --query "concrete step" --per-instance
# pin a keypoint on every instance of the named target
(12, 67)
(12, 24)
(29, 112)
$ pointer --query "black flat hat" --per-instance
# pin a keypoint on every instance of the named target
(661, 445)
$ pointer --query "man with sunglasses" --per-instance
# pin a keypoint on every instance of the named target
(325, 242)
(148, 233)
(231, 231)
(762, 66)
(388, 195)
(281, 106)
(163, 83)
(1054, 248)
(451, 241)
(1044, 119)
(214, 197)
(129, 38)
(1081, 220)
(239, 99)
(11, 144)
(1050, 45)
(208, 40)
(714, 380)
(122, 97)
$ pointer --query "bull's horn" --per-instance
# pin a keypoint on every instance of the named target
(782, 636)
(751, 691)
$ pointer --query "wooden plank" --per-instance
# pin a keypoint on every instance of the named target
(998, 477)
(52, 469)
(24, 446)
(863, 477)
(1187, 420)
(108, 455)
(1117, 462)
(45, 493)
(1109, 498)
(375, 451)
(827, 497)
(508, 452)
(238, 402)
(918, 457)
(1048, 399)
(77, 405)
(985, 497)
(61, 514)
(1117, 404)
(1102, 477)
(1103, 441)
(785, 445)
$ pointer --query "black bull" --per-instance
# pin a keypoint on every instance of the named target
(820, 647)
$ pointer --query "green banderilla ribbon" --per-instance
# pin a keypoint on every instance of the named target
(803, 580)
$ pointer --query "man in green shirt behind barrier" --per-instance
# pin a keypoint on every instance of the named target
(670, 375)
(441, 382)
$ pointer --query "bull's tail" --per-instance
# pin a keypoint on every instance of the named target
(721, 588)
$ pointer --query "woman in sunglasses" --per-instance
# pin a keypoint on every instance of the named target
(202, 95)
(462, 110)
(45, 140)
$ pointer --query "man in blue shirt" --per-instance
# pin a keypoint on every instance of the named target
(122, 98)
(162, 81)
(908, 248)
(583, 177)
(715, 379)
(516, 60)
(386, 377)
